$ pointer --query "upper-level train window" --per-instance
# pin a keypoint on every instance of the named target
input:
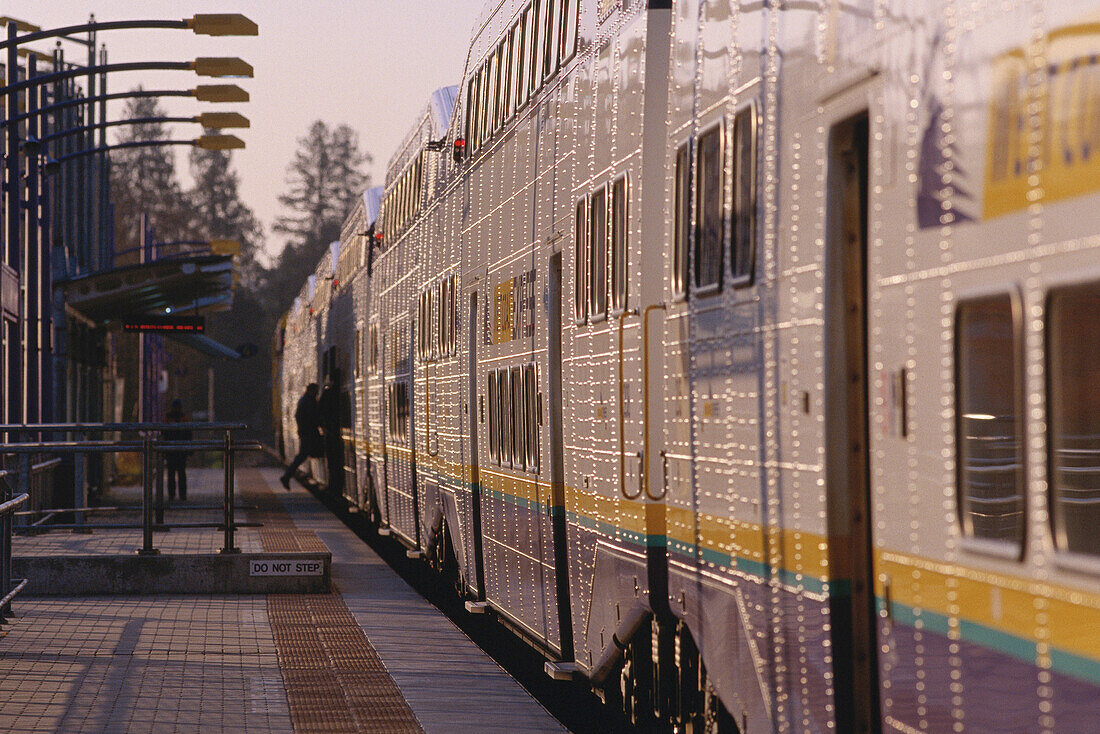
(503, 67)
(618, 245)
(681, 226)
(743, 236)
(569, 20)
(523, 64)
(1073, 369)
(597, 266)
(552, 38)
(515, 53)
(538, 42)
(989, 430)
(709, 222)
(580, 261)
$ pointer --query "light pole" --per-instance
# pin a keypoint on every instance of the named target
(31, 255)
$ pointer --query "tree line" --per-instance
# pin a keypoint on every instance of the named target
(324, 178)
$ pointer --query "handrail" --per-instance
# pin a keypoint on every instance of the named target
(14, 502)
(97, 427)
(150, 447)
(7, 509)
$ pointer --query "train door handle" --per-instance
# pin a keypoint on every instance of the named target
(641, 476)
(664, 479)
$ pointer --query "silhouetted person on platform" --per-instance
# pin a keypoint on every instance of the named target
(176, 459)
(328, 406)
(310, 443)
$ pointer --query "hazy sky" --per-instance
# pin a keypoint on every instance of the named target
(368, 63)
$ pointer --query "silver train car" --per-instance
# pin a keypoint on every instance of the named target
(742, 356)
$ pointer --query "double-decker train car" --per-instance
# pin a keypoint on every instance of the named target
(740, 356)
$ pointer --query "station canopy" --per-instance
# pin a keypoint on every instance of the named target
(194, 285)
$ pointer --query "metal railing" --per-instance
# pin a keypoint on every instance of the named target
(151, 449)
(8, 585)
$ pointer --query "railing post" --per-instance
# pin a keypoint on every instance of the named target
(229, 520)
(80, 470)
(147, 548)
(5, 550)
(158, 462)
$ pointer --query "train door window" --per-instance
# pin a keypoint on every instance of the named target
(569, 19)
(519, 420)
(403, 411)
(597, 248)
(580, 261)
(681, 225)
(530, 387)
(373, 351)
(709, 219)
(538, 43)
(420, 326)
(356, 366)
(743, 237)
(618, 245)
(989, 434)
(494, 443)
(553, 36)
(523, 64)
(452, 322)
(504, 387)
(1073, 370)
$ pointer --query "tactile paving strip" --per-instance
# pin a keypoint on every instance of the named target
(335, 681)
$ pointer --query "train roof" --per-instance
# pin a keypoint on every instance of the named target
(433, 123)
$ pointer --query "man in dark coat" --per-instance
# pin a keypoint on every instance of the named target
(176, 460)
(308, 418)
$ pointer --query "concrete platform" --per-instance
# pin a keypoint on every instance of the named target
(372, 657)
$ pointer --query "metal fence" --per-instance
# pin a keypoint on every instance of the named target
(144, 439)
(8, 505)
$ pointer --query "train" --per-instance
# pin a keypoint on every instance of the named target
(741, 356)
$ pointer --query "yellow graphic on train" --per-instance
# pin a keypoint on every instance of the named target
(502, 323)
(1055, 153)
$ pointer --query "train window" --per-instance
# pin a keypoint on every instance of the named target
(491, 97)
(569, 18)
(538, 42)
(453, 321)
(530, 386)
(471, 106)
(553, 36)
(515, 41)
(504, 389)
(618, 245)
(482, 102)
(709, 219)
(988, 431)
(523, 65)
(504, 67)
(681, 224)
(1073, 370)
(519, 420)
(597, 248)
(437, 321)
(743, 238)
(494, 442)
(580, 260)
(479, 107)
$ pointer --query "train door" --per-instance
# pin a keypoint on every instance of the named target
(400, 438)
(376, 415)
(474, 411)
(557, 459)
(847, 464)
